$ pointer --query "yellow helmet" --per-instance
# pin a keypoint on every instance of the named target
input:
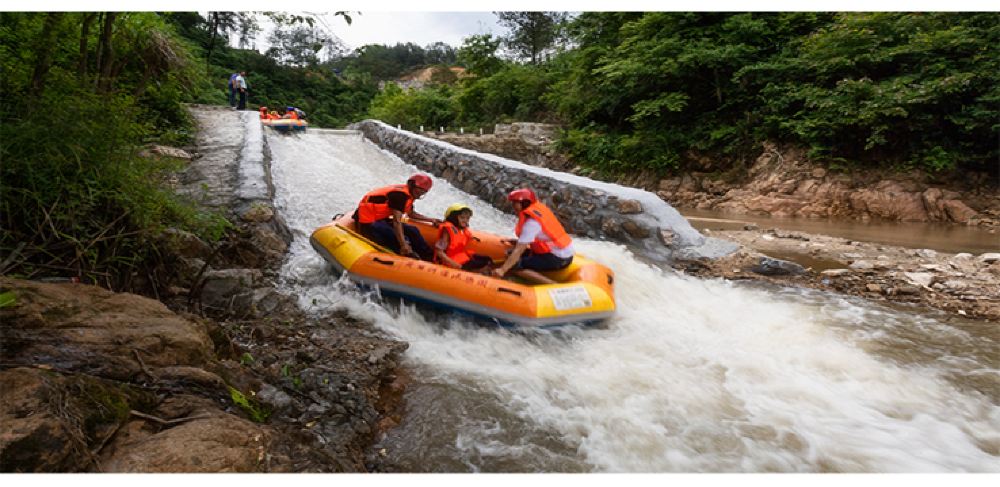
(456, 207)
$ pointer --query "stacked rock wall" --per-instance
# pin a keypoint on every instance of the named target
(586, 207)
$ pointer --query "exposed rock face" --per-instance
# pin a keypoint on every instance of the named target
(784, 183)
(34, 436)
(527, 142)
(111, 382)
(966, 284)
(584, 206)
(216, 443)
(89, 329)
(888, 200)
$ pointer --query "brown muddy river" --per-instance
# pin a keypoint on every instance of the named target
(943, 237)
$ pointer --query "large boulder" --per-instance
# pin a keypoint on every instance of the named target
(92, 330)
(776, 267)
(890, 200)
(958, 212)
(216, 442)
(229, 290)
(54, 423)
(33, 436)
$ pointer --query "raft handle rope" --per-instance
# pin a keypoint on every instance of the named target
(511, 291)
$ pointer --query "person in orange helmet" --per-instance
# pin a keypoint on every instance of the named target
(380, 212)
(541, 245)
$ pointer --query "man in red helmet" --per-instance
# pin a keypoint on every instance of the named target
(379, 217)
(542, 244)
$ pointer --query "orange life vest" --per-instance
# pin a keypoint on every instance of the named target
(263, 113)
(550, 226)
(293, 115)
(458, 240)
(371, 211)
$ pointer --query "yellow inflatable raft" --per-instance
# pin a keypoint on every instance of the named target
(585, 292)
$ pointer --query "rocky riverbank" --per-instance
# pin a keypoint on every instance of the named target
(783, 182)
(224, 375)
(963, 283)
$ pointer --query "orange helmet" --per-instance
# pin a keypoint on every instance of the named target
(421, 181)
(522, 194)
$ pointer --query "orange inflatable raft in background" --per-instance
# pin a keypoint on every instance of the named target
(584, 293)
(286, 124)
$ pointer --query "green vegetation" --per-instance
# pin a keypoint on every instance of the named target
(7, 299)
(649, 90)
(83, 92)
(256, 412)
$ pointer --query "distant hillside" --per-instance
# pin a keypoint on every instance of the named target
(434, 74)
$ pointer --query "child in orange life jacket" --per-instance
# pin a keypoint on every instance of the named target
(454, 239)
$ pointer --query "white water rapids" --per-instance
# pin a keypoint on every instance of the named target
(692, 375)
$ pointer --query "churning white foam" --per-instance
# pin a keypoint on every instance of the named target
(690, 375)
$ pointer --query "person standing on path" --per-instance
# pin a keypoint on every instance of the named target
(241, 86)
(232, 89)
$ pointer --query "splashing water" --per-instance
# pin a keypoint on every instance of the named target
(691, 375)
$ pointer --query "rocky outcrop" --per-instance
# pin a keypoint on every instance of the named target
(586, 207)
(101, 381)
(86, 363)
(965, 284)
(531, 143)
(784, 183)
(90, 330)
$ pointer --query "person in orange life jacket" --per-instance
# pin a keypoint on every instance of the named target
(454, 237)
(263, 113)
(379, 217)
(542, 244)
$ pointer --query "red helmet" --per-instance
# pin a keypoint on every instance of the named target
(522, 194)
(421, 181)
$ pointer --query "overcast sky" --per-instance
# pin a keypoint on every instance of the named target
(421, 28)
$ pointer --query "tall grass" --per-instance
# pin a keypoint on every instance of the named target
(76, 199)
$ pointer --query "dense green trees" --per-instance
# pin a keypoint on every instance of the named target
(382, 62)
(920, 89)
(81, 92)
(650, 90)
(532, 34)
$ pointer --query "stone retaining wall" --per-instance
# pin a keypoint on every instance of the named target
(586, 207)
